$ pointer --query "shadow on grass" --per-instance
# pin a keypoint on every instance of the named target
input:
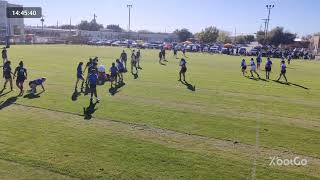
(3, 93)
(8, 102)
(289, 84)
(115, 90)
(256, 79)
(75, 95)
(189, 86)
(33, 96)
(163, 64)
(88, 111)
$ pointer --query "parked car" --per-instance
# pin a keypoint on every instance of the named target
(224, 50)
(214, 49)
(252, 52)
(242, 51)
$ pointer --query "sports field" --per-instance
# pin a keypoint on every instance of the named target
(155, 127)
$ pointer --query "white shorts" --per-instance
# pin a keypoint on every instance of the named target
(253, 68)
(4, 60)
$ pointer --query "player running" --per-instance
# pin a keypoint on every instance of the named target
(79, 76)
(21, 73)
(121, 70)
(183, 70)
(253, 68)
(113, 75)
(164, 54)
(283, 71)
(123, 58)
(7, 74)
(268, 68)
(38, 82)
(175, 52)
(243, 67)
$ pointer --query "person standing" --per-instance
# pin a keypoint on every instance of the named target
(21, 73)
(160, 57)
(93, 80)
(259, 60)
(4, 56)
(138, 56)
(123, 58)
(113, 75)
(121, 70)
(7, 74)
(175, 52)
(268, 68)
(183, 70)
(79, 76)
(164, 54)
(133, 62)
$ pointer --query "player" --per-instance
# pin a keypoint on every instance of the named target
(93, 80)
(175, 52)
(184, 52)
(133, 62)
(268, 68)
(113, 74)
(164, 54)
(123, 58)
(38, 82)
(183, 70)
(4, 56)
(89, 66)
(79, 76)
(283, 71)
(259, 60)
(7, 74)
(121, 70)
(253, 68)
(160, 57)
(289, 59)
(21, 73)
(138, 56)
(243, 67)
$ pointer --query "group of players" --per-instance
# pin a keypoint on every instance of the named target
(116, 71)
(254, 66)
(20, 73)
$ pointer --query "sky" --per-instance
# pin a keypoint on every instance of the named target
(235, 16)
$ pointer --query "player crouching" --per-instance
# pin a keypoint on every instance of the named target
(38, 82)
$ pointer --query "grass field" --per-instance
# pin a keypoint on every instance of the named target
(155, 127)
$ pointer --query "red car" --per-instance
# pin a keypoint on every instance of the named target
(167, 46)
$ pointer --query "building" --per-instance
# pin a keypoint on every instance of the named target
(10, 26)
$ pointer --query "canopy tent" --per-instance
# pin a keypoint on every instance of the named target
(228, 45)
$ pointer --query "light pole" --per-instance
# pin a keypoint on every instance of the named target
(269, 7)
(129, 6)
(42, 20)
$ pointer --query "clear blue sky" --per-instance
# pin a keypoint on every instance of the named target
(298, 16)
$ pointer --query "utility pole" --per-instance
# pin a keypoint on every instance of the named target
(235, 34)
(129, 6)
(269, 7)
(42, 20)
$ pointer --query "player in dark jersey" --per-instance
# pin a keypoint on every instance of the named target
(21, 74)
(183, 70)
(7, 74)
(164, 54)
(38, 82)
(268, 68)
(160, 57)
(113, 75)
(134, 62)
(175, 52)
(121, 70)
(79, 76)
(93, 80)
(4, 56)
(123, 58)
(138, 56)
(89, 66)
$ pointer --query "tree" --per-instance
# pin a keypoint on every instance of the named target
(209, 35)
(249, 38)
(114, 27)
(277, 36)
(241, 40)
(224, 37)
(90, 26)
(261, 37)
(183, 34)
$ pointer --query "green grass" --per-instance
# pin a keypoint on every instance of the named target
(225, 106)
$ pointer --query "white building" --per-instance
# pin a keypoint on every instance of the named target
(9, 26)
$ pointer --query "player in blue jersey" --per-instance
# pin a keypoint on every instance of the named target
(268, 68)
(21, 74)
(283, 71)
(79, 76)
(243, 67)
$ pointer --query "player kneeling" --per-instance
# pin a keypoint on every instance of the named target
(38, 82)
